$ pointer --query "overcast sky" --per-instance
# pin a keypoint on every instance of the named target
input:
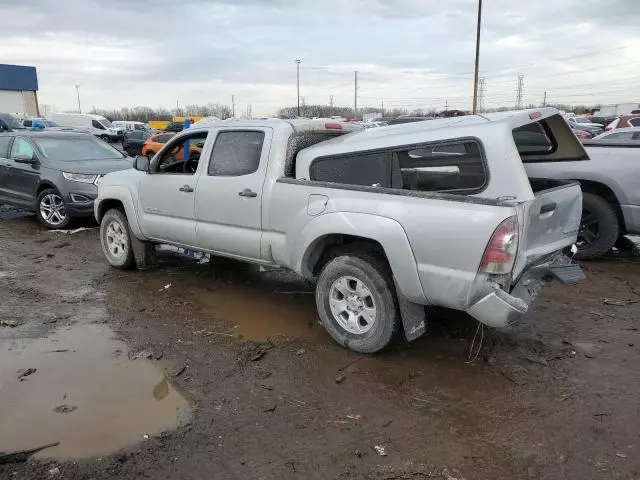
(409, 53)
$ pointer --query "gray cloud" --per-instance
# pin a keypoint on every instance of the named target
(408, 52)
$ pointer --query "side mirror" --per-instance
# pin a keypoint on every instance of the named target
(24, 158)
(141, 163)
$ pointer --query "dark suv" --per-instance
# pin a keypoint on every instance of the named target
(55, 174)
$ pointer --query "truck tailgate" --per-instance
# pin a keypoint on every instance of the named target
(550, 221)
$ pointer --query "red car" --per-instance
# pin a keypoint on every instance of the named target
(582, 134)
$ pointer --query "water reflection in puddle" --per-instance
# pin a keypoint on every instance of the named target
(85, 394)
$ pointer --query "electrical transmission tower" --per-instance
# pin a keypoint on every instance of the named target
(519, 92)
(481, 93)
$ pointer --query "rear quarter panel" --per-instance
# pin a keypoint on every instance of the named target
(434, 246)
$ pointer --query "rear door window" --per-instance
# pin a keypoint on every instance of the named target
(236, 153)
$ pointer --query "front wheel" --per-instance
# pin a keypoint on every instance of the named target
(51, 210)
(356, 302)
(115, 238)
(599, 227)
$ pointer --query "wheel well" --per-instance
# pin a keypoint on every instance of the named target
(43, 186)
(605, 192)
(108, 205)
(330, 246)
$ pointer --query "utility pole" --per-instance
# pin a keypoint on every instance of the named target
(481, 94)
(331, 104)
(298, 81)
(382, 108)
(446, 105)
(78, 95)
(475, 75)
(519, 92)
(233, 106)
(544, 99)
(355, 94)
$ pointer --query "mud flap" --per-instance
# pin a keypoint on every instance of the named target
(144, 253)
(413, 316)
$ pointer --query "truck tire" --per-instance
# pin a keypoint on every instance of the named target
(599, 227)
(356, 302)
(115, 239)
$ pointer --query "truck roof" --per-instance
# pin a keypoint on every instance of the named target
(428, 130)
(298, 124)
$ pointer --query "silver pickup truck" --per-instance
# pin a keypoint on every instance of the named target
(385, 221)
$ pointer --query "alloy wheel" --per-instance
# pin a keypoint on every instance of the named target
(52, 209)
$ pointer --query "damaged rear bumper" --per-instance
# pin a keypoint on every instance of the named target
(500, 309)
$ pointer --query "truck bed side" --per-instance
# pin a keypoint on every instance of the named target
(446, 234)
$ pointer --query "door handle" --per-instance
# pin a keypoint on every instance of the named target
(548, 207)
(186, 188)
(247, 193)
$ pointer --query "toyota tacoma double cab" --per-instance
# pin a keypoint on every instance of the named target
(385, 221)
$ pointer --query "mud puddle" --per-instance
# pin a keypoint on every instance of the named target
(254, 305)
(85, 393)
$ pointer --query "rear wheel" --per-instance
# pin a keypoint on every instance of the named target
(115, 238)
(356, 302)
(599, 227)
(51, 210)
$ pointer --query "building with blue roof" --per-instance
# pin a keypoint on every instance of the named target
(18, 90)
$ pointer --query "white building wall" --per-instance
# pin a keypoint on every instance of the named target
(11, 101)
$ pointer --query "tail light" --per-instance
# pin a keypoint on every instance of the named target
(332, 126)
(500, 254)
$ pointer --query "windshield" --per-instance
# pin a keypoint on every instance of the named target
(106, 123)
(71, 149)
(582, 120)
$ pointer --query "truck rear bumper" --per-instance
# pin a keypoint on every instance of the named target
(500, 309)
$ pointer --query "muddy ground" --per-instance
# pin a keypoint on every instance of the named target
(212, 371)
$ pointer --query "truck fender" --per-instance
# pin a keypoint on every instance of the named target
(123, 195)
(386, 231)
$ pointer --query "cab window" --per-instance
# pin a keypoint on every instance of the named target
(172, 159)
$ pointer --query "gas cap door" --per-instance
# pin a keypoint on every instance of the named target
(317, 204)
